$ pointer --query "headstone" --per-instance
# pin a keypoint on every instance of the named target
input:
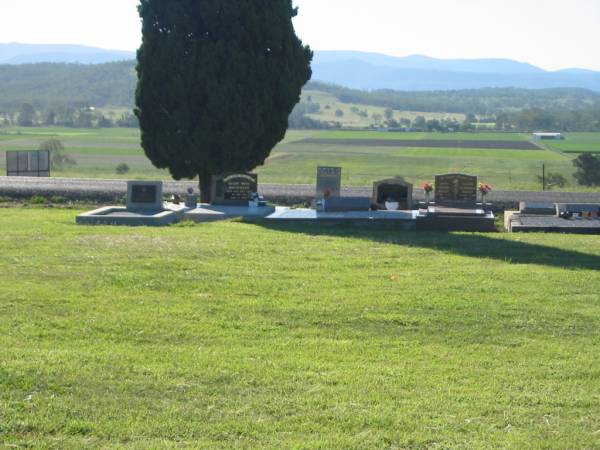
(329, 182)
(537, 208)
(28, 163)
(346, 204)
(234, 189)
(145, 195)
(455, 190)
(393, 189)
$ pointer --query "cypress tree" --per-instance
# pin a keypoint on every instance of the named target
(217, 80)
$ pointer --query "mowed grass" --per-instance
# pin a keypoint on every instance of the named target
(99, 152)
(233, 335)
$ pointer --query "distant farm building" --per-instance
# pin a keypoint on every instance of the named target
(548, 136)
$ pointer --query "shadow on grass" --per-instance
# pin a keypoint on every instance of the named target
(473, 245)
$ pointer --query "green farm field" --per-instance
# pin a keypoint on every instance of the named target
(232, 335)
(577, 143)
(99, 151)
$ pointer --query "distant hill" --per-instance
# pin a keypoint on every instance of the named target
(372, 71)
(15, 53)
(360, 70)
(52, 85)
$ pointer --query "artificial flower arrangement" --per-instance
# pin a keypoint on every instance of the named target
(485, 189)
(428, 188)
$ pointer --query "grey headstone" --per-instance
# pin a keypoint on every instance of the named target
(329, 181)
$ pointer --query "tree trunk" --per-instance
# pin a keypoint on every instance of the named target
(206, 193)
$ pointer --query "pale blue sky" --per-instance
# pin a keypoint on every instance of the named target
(553, 34)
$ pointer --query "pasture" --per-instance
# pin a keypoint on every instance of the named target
(232, 335)
(99, 151)
(577, 143)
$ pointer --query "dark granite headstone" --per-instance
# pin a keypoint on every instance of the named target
(538, 208)
(329, 181)
(393, 189)
(456, 190)
(145, 195)
(234, 189)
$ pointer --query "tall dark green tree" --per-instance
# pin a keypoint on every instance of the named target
(217, 80)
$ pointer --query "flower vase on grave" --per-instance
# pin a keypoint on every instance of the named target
(427, 188)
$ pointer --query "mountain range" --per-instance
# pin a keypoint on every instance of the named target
(15, 53)
(359, 70)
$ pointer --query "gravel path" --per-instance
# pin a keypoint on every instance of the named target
(105, 190)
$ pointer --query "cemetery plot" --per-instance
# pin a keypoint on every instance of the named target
(145, 207)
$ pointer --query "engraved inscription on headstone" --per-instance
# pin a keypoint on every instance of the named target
(28, 163)
(329, 181)
(143, 193)
(234, 189)
(455, 189)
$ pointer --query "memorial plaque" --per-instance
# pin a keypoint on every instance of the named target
(329, 182)
(145, 195)
(393, 189)
(234, 189)
(455, 189)
(35, 163)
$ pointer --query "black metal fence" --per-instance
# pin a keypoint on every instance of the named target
(35, 163)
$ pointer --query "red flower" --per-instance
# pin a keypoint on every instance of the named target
(428, 187)
(485, 188)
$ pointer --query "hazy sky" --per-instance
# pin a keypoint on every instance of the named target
(553, 34)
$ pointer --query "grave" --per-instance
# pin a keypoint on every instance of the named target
(456, 207)
(392, 190)
(329, 182)
(28, 163)
(234, 189)
(555, 218)
(235, 195)
(145, 207)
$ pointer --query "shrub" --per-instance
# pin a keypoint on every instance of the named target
(122, 169)
(588, 169)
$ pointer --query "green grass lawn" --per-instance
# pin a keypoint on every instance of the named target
(231, 335)
(99, 152)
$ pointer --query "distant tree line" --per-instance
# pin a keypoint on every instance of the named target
(62, 94)
(508, 108)
(70, 117)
